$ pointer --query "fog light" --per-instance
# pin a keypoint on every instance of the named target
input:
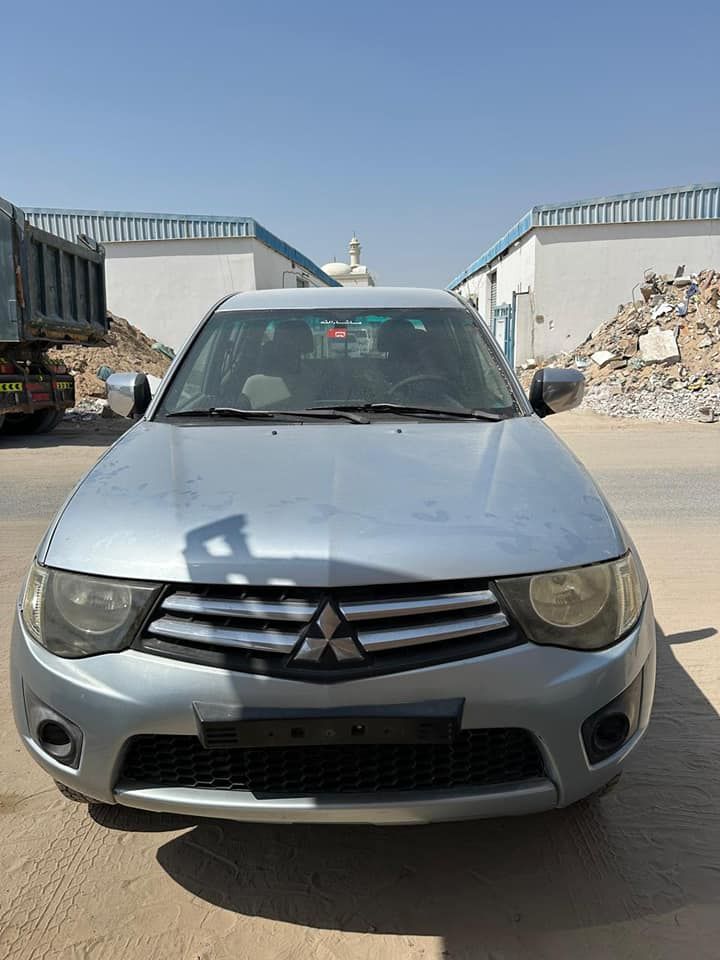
(55, 740)
(608, 729)
(56, 736)
(610, 733)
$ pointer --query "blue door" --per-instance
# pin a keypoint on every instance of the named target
(503, 328)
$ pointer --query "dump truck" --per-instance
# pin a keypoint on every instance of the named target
(52, 292)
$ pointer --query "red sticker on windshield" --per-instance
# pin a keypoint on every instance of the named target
(337, 333)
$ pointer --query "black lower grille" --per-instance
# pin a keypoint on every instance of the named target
(474, 758)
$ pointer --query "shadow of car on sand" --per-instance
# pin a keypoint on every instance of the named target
(647, 849)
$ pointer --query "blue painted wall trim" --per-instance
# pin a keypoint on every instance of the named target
(514, 233)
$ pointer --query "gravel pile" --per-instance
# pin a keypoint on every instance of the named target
(658, 358)
(663, 404)
(127, 350)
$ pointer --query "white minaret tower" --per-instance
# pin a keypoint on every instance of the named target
(354, 250)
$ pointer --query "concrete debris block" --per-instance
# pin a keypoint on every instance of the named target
(601, 357)
(682, 281)
(658, 346)
(706, 415)
(705, 343)
(530, 364)
(662, 310)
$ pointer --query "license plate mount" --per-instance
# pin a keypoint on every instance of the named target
(223, 727)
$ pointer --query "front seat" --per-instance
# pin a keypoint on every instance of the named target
(281, 375)
(398, 338)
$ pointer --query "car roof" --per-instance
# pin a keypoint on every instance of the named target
(335, 298)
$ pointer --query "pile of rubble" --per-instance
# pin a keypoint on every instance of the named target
(126, 350)
(659, 356)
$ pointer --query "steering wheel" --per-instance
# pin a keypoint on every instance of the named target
(422, 378)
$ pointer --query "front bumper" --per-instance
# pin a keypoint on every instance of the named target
(545, 690)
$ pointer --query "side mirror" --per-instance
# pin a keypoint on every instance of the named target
(555, 389)
(128, 394)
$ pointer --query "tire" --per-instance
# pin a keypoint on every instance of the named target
(22, 424)
(73, 795)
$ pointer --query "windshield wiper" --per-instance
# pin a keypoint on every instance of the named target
(319, 413)
(406, 410)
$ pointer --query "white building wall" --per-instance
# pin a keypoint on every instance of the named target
(516, 270)
(474, 289)
(582, 273)
(165, 287)
(515, 274)
(273, 271)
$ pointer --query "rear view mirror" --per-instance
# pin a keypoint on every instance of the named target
(555, 389)
(128, 394)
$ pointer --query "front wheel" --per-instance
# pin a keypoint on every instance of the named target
(22, 424)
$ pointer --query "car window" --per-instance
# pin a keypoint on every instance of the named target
(191, 380)
(265, 360)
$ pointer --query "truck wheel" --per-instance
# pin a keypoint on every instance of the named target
(21, 424)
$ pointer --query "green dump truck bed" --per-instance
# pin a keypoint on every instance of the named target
(51, 290)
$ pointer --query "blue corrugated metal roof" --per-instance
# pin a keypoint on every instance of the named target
(514, 233)
(112, 226)
(700, 201)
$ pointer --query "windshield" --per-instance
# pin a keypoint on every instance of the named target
(302, 359)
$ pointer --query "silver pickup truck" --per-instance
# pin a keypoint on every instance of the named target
(314, 583)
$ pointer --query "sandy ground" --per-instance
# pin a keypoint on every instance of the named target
(636, 875)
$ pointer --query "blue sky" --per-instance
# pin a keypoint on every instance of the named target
(427, 128)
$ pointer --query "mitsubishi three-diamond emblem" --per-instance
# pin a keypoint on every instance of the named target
(327, 633)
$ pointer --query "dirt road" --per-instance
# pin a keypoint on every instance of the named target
(636, 875)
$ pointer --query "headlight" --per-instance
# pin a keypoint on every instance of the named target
(72, 615)
(585, 608)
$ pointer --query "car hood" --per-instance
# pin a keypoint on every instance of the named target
(331, 504)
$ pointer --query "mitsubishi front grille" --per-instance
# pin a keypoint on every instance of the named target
(327, 635)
